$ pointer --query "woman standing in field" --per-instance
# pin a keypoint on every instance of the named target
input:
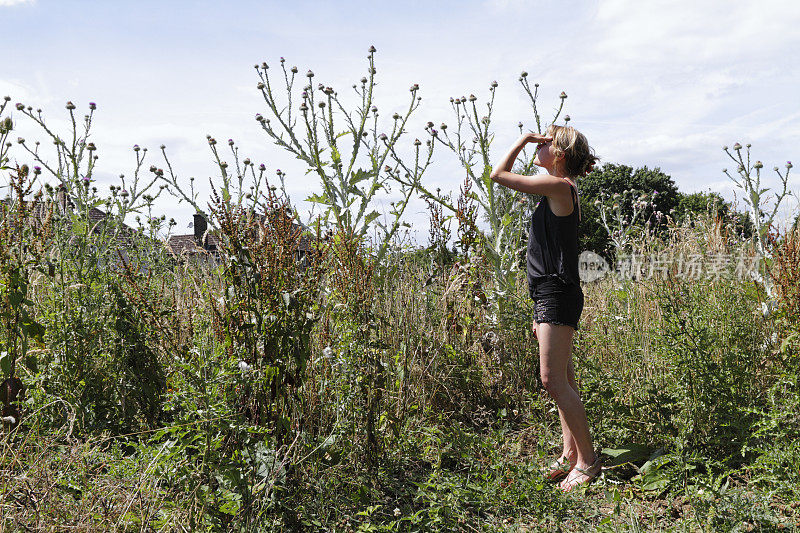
(554, 284)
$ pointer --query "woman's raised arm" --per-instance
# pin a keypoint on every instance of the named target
(545, 185)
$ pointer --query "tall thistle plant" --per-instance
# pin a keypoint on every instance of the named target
(755, 197)
(624, 216)
(75, 266)
(504, 211)
(6, 126)
(354, 159)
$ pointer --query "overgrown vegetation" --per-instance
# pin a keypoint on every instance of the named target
(309, 380)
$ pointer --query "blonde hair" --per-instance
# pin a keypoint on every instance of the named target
(579, 158)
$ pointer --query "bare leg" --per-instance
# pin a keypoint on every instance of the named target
(570, 450)
(555, 347)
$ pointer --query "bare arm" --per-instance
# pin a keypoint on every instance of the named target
(545, 185)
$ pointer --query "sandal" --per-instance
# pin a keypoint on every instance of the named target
(592, 472)
(561, 467)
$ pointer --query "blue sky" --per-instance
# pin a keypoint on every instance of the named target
(662, 84)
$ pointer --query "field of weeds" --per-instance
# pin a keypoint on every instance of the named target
(303, 377)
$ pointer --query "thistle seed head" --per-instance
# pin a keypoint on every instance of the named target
(494, 85)
(70, 106)
(310, 74)
(758, 164)
(472, 98)
(562, 95)
(417, 142)
(294, 70)
(372, 50)
(91, 147)
(21, 107)
(737, 146)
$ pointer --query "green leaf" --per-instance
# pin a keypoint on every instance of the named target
(631, 453)
(33, 330)
(359, 175)
(788, 341)
(370, 217)
(319, 199)
(5, 363)
(79, 227)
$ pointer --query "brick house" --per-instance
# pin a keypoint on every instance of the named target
(204, 245)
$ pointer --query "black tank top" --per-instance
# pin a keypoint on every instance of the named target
(553, 243)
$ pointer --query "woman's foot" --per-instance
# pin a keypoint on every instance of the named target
(558, 469)
(580, 476)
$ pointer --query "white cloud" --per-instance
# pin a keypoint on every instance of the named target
(6, 3)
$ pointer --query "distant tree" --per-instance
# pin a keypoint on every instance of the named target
(612, 178)
(690, 205)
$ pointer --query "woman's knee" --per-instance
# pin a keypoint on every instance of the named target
(555, 383)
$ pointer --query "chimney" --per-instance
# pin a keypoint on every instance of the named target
(200, 227)
(62, 199)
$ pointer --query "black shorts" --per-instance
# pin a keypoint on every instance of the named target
(556, 302)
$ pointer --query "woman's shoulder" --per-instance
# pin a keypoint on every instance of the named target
(561, 202)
